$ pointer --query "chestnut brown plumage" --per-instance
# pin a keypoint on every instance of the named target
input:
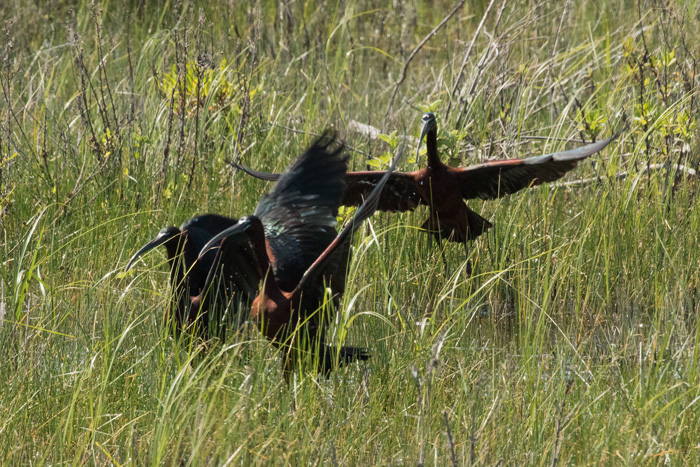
(444, 188)
(299, 254)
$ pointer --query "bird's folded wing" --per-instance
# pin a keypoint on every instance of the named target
(235, 270)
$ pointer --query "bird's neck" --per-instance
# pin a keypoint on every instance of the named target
(176, 262)
(264, 259)
(195, 269)
(432, 150)
(272, 310)
(272, 291)
(256, 234)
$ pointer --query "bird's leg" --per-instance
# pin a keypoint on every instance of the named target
(469, 262)
(288, 364)
(442, 253)
(434, 236)
(444, 260)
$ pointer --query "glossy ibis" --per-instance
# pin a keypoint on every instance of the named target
(197, 285)
(299, 253)
(444, 188)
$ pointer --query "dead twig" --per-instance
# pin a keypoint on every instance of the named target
(622, 175)
(482, 64)
(449, 439)
(373, 132)
(466, 57)
(351, 126)
(415, 51)
(561, 424)
(166, 149)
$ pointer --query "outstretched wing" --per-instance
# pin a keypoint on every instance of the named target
(299, 214)
(399, 193)
(494, 179)
(337, 252)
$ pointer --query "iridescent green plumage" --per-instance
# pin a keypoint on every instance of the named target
(298, 250)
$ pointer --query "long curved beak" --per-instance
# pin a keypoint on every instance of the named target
(214, 242)
(420, 140)
(156, 242)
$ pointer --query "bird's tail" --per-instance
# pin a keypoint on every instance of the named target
(347, 355)
(476, 225)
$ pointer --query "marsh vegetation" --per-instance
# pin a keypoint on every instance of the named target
(575, 340)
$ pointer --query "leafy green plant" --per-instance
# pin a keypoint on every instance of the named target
(216, 88)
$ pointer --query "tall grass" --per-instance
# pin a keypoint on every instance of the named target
(574, 341)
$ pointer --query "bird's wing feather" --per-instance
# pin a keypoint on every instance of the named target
(299, 214)
(230, 275)
(234, 268)
(198, 231)
(333, 260)
(268, 176)
(399, 194)
(494, 179)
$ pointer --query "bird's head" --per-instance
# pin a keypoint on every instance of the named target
(243, 225)
(429, 124)
(166, 235)
(210, 223)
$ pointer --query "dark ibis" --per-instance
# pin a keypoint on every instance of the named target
(197, 285)
(299, 254)
(444, 188)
